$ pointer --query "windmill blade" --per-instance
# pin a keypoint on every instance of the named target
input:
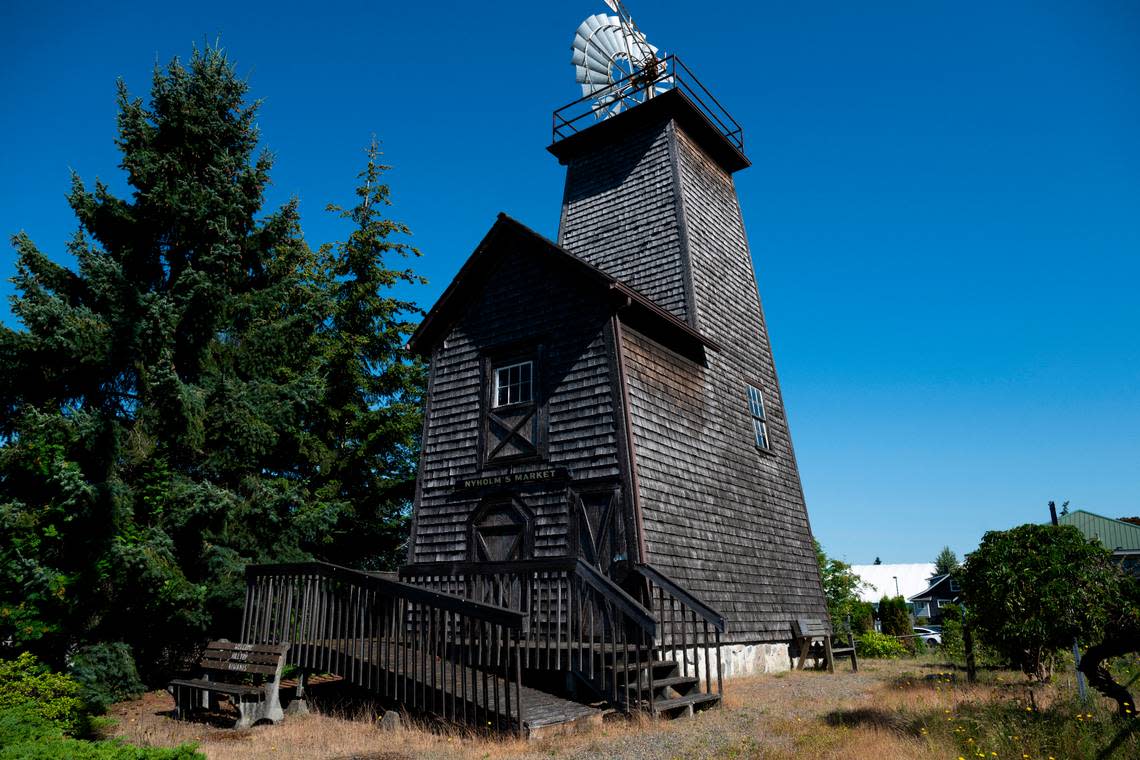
(592, 63)
(608, 35)
(591, 25)
(600, 43)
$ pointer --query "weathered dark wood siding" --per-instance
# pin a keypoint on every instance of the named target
(525, 300)
(724, 519)
(753, 522)
(620, 214)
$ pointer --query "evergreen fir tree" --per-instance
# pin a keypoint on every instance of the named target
(158, 402)
(374, 388)
(946, 562)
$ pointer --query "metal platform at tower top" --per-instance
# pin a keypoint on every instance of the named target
(673, 75)
(674, 91)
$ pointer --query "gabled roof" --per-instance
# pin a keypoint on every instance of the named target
(928, 593)
(507, 235)
(1114, 535)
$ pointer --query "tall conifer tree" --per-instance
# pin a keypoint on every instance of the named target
(158, 402)
(374, 388)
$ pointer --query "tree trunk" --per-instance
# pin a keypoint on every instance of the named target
(1094, 664)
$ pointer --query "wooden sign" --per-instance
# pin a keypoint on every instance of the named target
(513, 478)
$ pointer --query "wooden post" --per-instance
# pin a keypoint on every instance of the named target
(968, 642)
(1082, 690)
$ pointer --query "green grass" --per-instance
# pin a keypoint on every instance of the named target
(1014, 721)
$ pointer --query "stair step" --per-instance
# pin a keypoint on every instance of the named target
(673, 681)
(697, 701)
(634, 666)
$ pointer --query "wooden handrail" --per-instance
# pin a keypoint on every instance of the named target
(707, 613)
(489, 568)
(429, 650)
(488, 613)
(618, 597)
(600, 583)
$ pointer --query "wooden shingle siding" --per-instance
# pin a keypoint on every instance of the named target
(529, 302)
(620, 214)
(724, 519)
(653, 249)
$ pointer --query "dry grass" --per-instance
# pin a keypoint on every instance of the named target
(884, 712)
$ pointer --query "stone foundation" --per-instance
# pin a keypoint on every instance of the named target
(741, 660)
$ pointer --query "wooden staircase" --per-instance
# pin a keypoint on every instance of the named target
(669, 694)
(493, 644)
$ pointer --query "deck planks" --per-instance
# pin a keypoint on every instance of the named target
(394, 670)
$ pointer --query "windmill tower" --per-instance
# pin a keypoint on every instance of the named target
(611, 398)
(650, 199)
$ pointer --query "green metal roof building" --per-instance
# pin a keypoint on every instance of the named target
(1121, 538)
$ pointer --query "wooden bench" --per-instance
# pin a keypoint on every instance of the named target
(248, 674)
(809, 631)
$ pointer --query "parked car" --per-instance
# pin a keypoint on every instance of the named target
(931, 635)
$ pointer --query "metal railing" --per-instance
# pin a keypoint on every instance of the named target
(672, 75)
(456, 658)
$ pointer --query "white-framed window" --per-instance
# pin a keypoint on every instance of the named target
(759, 418)
(514, 384)
(955, 587)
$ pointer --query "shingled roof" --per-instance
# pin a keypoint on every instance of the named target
(507, 234)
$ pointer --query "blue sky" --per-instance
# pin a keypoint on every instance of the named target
(943, 207)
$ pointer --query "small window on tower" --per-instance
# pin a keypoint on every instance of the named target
(759, 418)
(514, 384)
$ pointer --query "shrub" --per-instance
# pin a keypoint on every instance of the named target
(106, 672)
(27, 735)
(878, 645)
(1032, 589)
(53, 697)
(953, 645)
(862, 617)
(894, 616)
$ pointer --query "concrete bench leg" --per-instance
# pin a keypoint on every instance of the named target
(267, 708)
(252, 713)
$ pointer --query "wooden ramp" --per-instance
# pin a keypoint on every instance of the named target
(445, 648)
(448, 686)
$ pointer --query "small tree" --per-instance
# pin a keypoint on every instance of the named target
(946, 562)
(1032, 589)
(841, 589)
